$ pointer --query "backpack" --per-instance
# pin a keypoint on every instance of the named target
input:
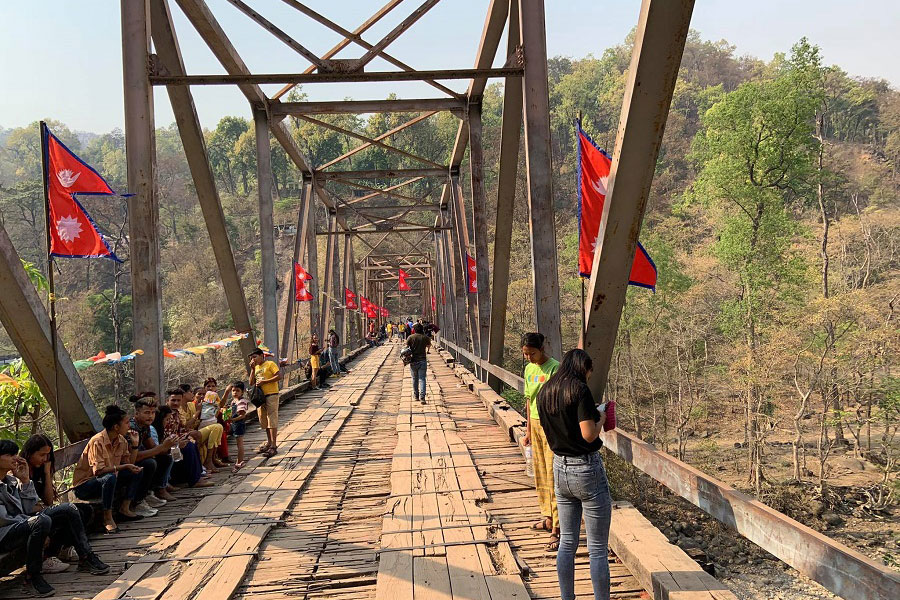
(406, 355)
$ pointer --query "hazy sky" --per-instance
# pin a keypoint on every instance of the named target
(61, 59)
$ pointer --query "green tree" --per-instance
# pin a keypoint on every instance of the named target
(757, 154)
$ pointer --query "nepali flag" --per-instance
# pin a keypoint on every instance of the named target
(73, 234)
(433, 304)
(471, 274)
(301, 294)
(363, 304)
(401, 279)
(593, 175)
(349, 299)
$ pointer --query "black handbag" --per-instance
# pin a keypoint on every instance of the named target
(257, 398)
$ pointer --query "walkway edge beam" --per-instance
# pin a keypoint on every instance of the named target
(840, 569)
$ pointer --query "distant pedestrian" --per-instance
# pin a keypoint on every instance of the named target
(419, 343)
(334, 352)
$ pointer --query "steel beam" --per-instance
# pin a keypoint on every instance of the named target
(354, 36)
(365, 209)
(26, 322)
(334, 77)
(396, 32)
(328, 287)
(143, 205)
(541, 218)
(506, 196)
(266, 187)
(167, 49)
(281, 35)
(312, 266)
(382, 174)
(655, 60)
(363, 231)
(479, 230)
(368, 140)
(354, 107)
(290, 288)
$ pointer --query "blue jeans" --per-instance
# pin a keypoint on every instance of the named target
(418, 370)
(134, 486)
(581, 487)
(333, 358)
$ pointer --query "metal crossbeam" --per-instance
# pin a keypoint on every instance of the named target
(356, 107)
(335, 77)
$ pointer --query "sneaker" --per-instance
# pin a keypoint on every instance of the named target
(144, 510)
(93, 564)
(610, 422)
(154, 502)
(39, 587)
(69, 555)
(54, 565)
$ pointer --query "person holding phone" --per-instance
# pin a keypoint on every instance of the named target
(572, 425)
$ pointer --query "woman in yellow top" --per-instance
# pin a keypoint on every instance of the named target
(538, 371)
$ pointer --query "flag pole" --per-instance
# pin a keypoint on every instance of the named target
(51, 298)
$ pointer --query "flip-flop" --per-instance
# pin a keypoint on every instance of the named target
(270, 452)
(541, 525)
(553, 544)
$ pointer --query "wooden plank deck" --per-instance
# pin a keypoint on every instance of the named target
(373, 496)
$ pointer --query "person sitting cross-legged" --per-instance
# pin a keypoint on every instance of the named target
(108, 462)
(22, 524)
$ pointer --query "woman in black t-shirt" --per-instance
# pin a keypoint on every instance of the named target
(572, 425)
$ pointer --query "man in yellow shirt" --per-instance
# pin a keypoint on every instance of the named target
(265, 374)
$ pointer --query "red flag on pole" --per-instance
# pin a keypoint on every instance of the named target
(593, 174)
(471, 273)
(73, 234)
(433, 304)
(301, 294)
(401, 281)
(349, 299)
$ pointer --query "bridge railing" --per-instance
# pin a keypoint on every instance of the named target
(840, 569)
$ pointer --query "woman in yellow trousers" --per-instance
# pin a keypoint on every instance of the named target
(538, 371)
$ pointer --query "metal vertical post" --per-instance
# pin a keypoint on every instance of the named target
(541, 220)
(312, 261)
(143, 205)
(506, 196)
(461, 227)
(300, 238)
(479, 230)
(265, 183)
(328, 282)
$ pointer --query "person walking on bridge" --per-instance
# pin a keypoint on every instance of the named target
(265, 374)
(419, 343)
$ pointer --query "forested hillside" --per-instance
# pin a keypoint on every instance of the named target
(768, 352)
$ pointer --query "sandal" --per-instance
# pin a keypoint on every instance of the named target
(270, 452)
(263, 448)
(553, 544)
(237, 467)
(542, 525)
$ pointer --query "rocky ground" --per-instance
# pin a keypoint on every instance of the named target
(750, 572)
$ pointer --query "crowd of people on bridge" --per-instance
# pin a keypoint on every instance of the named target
(130, 470)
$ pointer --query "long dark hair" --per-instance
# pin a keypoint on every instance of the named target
(35, 443)
(158, 422)
(567, 384)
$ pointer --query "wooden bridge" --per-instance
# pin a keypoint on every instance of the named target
(375, 495)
